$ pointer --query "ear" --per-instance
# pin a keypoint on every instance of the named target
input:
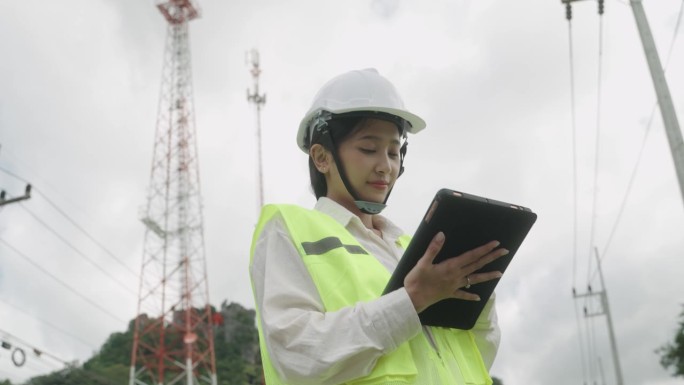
(321, 157)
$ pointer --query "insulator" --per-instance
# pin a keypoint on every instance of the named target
(600, 7)
(568, 11)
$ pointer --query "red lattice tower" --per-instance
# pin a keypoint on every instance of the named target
(173, 338)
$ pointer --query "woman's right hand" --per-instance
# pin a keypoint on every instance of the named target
(428, 283)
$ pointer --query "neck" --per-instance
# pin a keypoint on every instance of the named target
(366, 219)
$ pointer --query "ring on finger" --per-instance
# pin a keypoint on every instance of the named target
(467, 286)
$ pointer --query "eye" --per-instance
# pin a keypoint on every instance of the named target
(393, 155)
(366, 150)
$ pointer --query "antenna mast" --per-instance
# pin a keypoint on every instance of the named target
(258, 100)
(173, 338)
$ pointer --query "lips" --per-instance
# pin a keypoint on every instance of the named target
(379, 184)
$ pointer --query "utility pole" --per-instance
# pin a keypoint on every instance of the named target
(674, 134)
(667, 111)
(605, 310)
(5, 201)
(258, 100)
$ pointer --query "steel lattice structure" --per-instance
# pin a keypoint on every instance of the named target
(173, 336)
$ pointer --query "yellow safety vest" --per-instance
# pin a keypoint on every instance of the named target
(344, 274)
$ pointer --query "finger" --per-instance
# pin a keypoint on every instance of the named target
(462, 294)
(485, 260)
(433, 248)
(484, 277)
(472, 256)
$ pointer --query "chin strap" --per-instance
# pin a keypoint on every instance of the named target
(366, 207)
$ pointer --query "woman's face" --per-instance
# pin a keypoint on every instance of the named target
(371, 160)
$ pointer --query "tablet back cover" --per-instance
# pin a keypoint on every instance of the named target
(468, 221)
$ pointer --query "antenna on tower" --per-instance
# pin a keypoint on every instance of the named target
(258, 100)
(173, 339)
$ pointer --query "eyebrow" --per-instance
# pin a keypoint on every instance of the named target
(378, 139)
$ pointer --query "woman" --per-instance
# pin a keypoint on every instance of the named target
(318, 275)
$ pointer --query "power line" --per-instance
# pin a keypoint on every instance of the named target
(41, 366)
(99, 244)
(75, 224)
(583, 353)
(68, 365)
(37, 351)
(598, 138)
(643, 145)
(85, 343)
(568, 16)
(44, 182)
(13, 174)
(36, 265)
(79, 252)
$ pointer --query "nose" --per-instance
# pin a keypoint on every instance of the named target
(383, 164)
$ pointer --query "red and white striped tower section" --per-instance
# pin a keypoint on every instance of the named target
(173, 339)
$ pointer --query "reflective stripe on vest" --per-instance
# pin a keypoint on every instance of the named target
(328, 244)
(344, 274)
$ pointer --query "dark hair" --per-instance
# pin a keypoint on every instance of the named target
(339, 128)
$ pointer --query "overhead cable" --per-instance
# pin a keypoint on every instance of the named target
(77, 338)
(79, 252)
(598, 140)
(13, 174)
(39, 267)
(37, 351)
(568, 16)
(643, 145)
(99, 244)
(74, 223)
(64, 369)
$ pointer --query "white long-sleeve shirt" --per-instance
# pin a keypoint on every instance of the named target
(308, 345)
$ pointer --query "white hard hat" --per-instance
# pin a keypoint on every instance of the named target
(360, 90)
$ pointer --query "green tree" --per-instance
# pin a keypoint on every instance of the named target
(672, 354)
(71, 376)
(236, 345)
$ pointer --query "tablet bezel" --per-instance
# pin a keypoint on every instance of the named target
(468, 221)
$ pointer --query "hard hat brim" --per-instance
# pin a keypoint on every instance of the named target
(416, 123)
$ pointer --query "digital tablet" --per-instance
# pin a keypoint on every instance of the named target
(468, 221)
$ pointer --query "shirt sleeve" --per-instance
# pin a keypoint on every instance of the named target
(306, 344)
(487, 333)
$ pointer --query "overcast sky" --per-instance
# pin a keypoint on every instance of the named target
(79, 89)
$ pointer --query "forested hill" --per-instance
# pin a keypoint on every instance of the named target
(238, 360)
(236, 345)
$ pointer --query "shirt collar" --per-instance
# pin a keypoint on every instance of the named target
(346, 217)
(335, 210)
